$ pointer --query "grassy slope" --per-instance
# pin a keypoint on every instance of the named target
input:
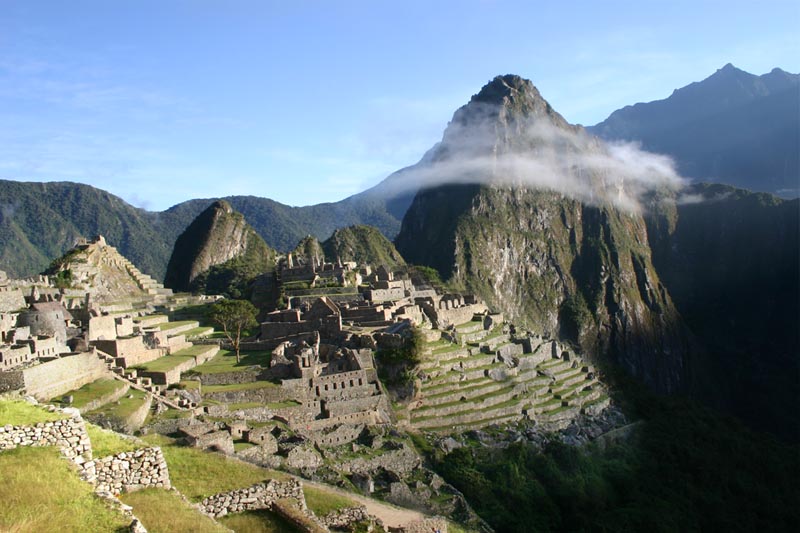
(198, 474)
(165, 512)
(41, 492)
(19, 413)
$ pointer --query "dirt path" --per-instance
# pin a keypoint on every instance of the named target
(391, 515)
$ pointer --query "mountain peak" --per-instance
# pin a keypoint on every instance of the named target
(506, 86)
(221, 205)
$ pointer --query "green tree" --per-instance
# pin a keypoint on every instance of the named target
(234, 316)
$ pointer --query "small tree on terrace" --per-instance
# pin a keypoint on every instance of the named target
(234, 316)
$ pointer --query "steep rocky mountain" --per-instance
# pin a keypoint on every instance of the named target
(733, 127)
(528, 219)
(362, 244)
(218, 237)
(308, 250)
(730, 259)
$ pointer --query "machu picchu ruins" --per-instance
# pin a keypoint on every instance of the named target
(98, 336)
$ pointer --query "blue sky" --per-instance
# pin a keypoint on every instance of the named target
(304, 102)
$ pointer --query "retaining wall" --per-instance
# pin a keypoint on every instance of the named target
(259, 496)
(69, 372)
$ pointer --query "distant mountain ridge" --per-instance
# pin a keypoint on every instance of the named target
(733, 127)
(41, 221)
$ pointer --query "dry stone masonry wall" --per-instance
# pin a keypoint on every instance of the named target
(129, 471)
(69, 434)
(258, 496)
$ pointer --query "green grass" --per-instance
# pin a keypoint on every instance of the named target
(198, 474)
(496, 407)
(20, 413)
(173, 325)
(41, 492)
(105, 442)
(323, 502)
(257, 522)
(239, 446)
(188, 384)
(164, 364)
(242, 405)
(282, 405)
(162, 511)
(150, 317)
(225, 361)
(239, 386)
(198, 331)
(94, 390)
(197, 349)
(125, 406)
(468, 401)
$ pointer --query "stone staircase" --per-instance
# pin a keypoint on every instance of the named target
(145, 282)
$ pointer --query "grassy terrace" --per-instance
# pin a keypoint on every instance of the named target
(195, 350)
(507, 403)
(468, 325)
(449, 347)
(162, 511)
(165, 318)
(95, 389)
(198, 474)
(20, 413)
(257, 522)
(476, 424)
(164, 364)
(323, 502)
(225, 361)
(427, 385)
(493, 334)
(470, 401)
(105, 442)
(200, 331)
(40, 492)
(478, 384)
(126, 405)
(174, 325)
(240, 386)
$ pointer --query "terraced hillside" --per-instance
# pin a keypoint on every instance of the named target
(473, 377)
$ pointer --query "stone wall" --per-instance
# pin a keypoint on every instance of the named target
(401, 462)
(69, 372)
(231, 378)
(259, 496)
(112, 396)
(127, 425)
(264, 395)
(126, 471)
(102, 327)
(15, 355)
(129, 471)
(11, 381)
(69, 434)
(426, 525)
(343, 518)
(11, 299)
(354, 418)
(341, 435)
(355, 405)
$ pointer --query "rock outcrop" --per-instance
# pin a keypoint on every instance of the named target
(218, 237)
(364, 245)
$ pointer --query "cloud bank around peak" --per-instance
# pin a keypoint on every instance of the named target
(536, 154)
